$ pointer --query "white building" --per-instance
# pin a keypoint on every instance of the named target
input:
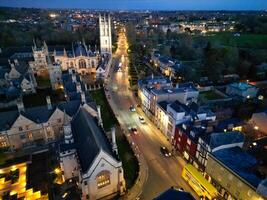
(88, 155)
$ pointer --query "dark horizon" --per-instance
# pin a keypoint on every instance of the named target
(143, 5)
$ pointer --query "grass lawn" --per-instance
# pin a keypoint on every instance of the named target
(211, 95)
(39, 98)
(129, 161)
(108, 117)
(245, 40)
(43, 81)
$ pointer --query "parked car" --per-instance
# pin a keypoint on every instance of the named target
(132, 108)
(142, 120)
(165, 151)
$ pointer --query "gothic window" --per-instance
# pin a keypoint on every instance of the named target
(82, 64)
(93, 64)
(71, 64)
(103, 179)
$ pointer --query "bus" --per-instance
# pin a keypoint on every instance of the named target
(198, 183)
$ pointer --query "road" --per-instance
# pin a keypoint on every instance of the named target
(162, 172)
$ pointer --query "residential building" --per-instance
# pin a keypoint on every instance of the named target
(216, 141)
(243, 90)
(258, 121)
(233, 172)
(87, 154)
(186, 140)
(179, 113)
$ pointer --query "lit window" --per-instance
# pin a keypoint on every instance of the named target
(103, 179)
(30, 135)
(3, 144)
(189, 141)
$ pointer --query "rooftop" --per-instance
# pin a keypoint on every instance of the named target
(240, 163)
(241, 86)
(90, 139)
(218, 139)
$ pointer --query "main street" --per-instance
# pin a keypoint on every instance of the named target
(161, 172)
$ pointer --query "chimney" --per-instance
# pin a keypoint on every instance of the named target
(20, 105)
(114, 144)
(83, 98)
(49, 104)
(74, 78)
(100, 123)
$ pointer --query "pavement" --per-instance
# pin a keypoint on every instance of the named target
(157, 173)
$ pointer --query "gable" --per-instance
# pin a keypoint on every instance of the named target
(57, 114)
(103, 161)
(22, 121)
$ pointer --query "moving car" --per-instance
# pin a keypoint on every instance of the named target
(142, 120)
(165, 151)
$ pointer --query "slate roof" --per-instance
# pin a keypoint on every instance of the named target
(163, 105)
(197, 130)
(179, 107)
(38, 114)
(218, 139)
(79, 49)
(89, 138)
(239, 162)
(174, 194)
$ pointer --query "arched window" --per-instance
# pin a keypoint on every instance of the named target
(103, 179)
(82, 64)
(93, 64)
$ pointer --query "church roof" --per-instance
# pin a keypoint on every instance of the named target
(79, 49)
(90, 139)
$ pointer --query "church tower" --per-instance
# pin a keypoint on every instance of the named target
(105, 34)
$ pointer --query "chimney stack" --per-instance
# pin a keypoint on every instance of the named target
(100, 123)
(48, 102)
(20, 105)
(114, 144)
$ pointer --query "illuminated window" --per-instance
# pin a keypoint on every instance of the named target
(82, 64)
(30, 135)
(3, 144)
(103, 179)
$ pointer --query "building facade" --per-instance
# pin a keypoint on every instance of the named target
(88, 155)
(231, 171)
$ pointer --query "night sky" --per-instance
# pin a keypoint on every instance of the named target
(142, 4)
